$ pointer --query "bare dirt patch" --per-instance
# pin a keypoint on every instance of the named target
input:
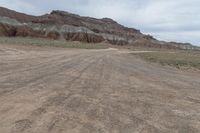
(58, 90)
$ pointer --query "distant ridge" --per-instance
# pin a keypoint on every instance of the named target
(65, 25)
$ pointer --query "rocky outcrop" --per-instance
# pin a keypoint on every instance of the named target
(16, 15)
(65, 25)
(53, 35)
(84, 37)
(118, 42)
(25, 31)
(60, 24)
(183, 45)
(7, 30)
(22, 31)
(154, 44)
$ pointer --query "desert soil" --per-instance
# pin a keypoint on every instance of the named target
(54, 90)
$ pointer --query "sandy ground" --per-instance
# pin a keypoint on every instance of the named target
(54, 90)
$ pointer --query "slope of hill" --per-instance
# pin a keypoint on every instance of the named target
(65, 25)
(15, 15)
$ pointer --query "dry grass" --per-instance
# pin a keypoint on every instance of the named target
(49, 42)
(179, 59)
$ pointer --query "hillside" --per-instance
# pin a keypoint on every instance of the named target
(68, 26)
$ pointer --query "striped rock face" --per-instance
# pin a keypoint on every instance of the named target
(64, 25)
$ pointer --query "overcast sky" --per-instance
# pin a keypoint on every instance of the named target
(170, 20)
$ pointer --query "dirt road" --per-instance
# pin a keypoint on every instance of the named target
(54, 90)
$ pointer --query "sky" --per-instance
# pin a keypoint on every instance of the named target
(168, 20)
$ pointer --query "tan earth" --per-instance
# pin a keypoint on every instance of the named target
(54, 90)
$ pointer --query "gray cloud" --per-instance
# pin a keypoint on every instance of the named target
(171, 20)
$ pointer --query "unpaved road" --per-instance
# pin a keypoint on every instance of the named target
(54, 90)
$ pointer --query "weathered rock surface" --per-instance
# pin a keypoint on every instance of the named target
(64, 25)
(84, 37)
(16, 15)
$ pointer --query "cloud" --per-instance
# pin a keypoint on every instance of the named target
(179, 36)
(166, 19)
(20, 5)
